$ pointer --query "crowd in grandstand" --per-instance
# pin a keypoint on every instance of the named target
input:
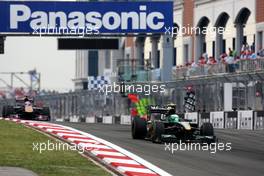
(228, 59)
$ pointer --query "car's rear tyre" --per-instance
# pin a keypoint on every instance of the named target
(207, 129)
(46, 112)
(139, 128)
(4, 112)
(158, 130)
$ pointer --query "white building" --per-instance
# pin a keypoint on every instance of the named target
(242, 21)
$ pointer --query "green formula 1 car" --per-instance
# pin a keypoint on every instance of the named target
(163, 124)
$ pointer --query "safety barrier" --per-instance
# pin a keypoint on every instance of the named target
(107, 119)
(258, 123)
(203, 118)
(231, 120)
(241, 65)
(74, 119)
(217, 119)
(125, 120)
(250, 65)
(90, 120)
(246, 120)
(192, 116)
(203, 70)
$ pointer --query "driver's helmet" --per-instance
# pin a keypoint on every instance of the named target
(174, 118)
(27, 103)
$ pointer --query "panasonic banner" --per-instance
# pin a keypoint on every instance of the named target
(104, 17)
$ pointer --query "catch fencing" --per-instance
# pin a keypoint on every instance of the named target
(240, 66)
(80, 104)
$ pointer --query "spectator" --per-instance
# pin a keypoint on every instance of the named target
(202, 61)
(234, 53)
(245, 54)
(205, 56)
(252, 47)
(252, 55)
(211, 61)
(261, 53)
(211, 65)
(222, 57)
(229, 60)
(230, 52)
(230, 63)
(245, 47)
(194, 67)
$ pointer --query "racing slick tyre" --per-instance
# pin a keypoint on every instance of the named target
(207, 129)
(158, 130)
(46, 112)
(4, 111)
(139, 128)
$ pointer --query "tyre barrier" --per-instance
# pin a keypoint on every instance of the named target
(203, 117)
(98, 119)
(111, 156)
(117, 119)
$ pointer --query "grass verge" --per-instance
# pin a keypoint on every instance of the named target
(16, 150)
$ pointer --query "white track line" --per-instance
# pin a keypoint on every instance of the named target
(96, 152)
(59, 131)
(131, 169)
(72, 135)
(122, 161)
(86, 145)
(82, 140)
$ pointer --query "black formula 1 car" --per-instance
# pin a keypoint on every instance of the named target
(25, 109)
(164, 125)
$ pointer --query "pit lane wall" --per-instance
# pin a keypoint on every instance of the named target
(247, 120)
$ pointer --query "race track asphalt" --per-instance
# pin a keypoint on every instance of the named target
(246, 158)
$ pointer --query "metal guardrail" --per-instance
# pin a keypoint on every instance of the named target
(245, 65)
(138, 73)
(242, 65)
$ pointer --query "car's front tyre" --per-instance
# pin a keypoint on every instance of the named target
(207, 129)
